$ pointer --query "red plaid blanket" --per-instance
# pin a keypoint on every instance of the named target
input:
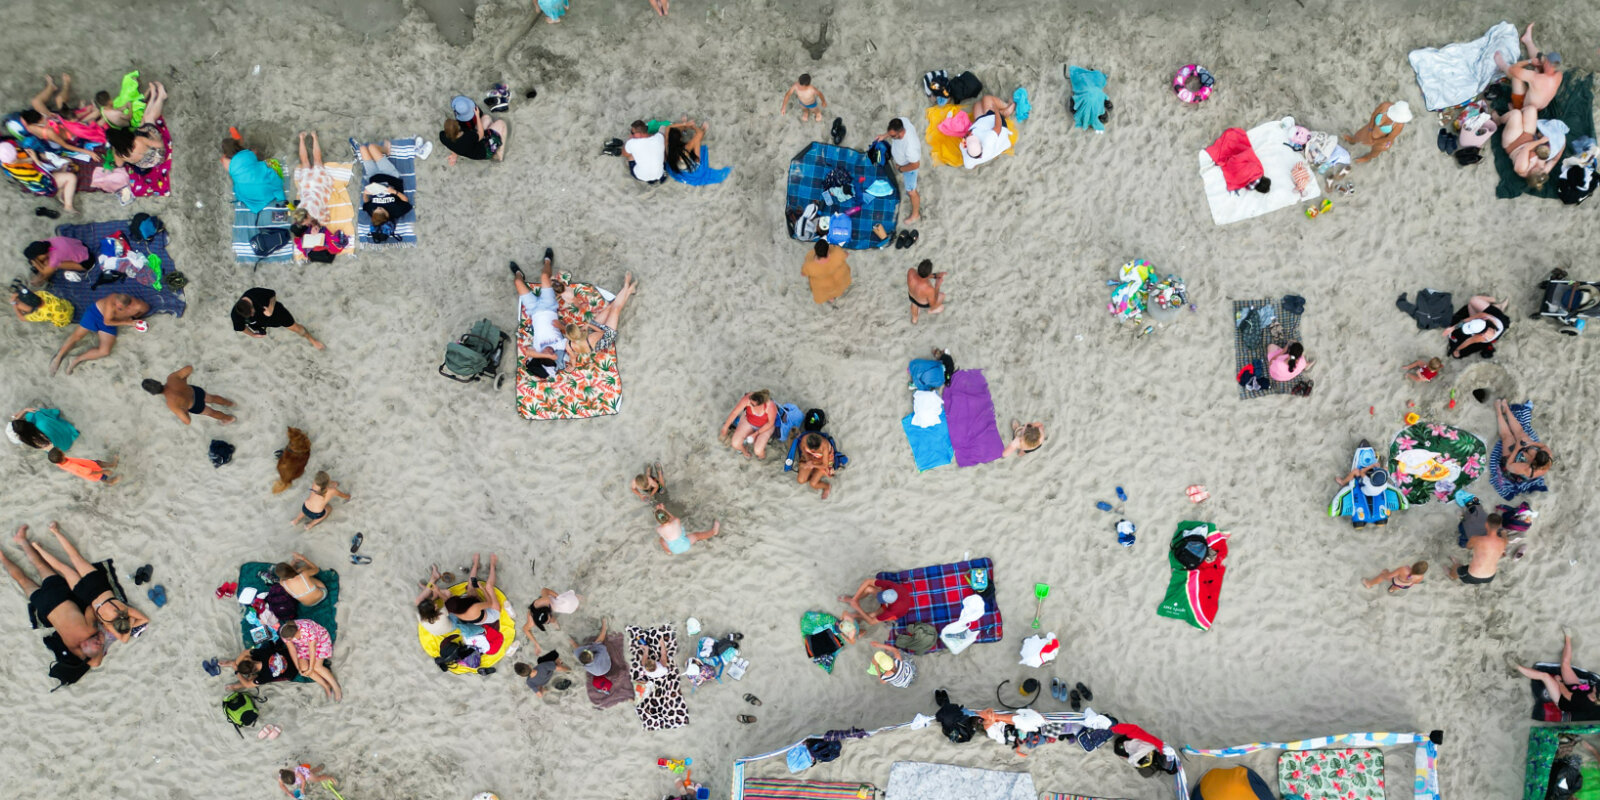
(936, 595)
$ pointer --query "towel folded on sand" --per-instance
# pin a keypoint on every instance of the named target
(927, 409)
(1453, 74)
(930, 447)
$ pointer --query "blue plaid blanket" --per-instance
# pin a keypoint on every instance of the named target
(1497, 476)
(84, 292)
(1245, 352)
(246, 224)
(936, 595)
(403, 152)
(810, 168)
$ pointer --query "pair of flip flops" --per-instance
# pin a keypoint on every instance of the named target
(1075, 696)
(141, 576)
(269, 732)
(356, 540)
(212, 666)
(906, 239)
(158, 595)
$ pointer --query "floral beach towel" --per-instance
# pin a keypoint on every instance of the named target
(1347, 773)
(1432, 461)
(590, 388)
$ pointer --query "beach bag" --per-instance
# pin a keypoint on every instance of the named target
(823, 750)
(68, 668)
(452, 651)
(1575, 184)
(934, 82)
(803, 226)
(1251, 378)
(963, 87)
(145, 227)
(241, 710)
(1190, 551)
(383, 233)
(281, 603)
(838, 228)
(1565, 780)
(823, 643)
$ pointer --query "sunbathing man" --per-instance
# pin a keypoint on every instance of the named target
(674, 539)
(922, 287)
(887, 601)
(544, 312)
(1535, 80)
(815, 463)
(1521, 458)
(102, 318)
(1480, 533)
(988, 128)
(52, 602)
(91, 586)
(1572, 694)
(183, 399)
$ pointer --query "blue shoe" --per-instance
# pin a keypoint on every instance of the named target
(1024, 108)
(211, 667)
(360, 559)
(158, 595)
(355, 149)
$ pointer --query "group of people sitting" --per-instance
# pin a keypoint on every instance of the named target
(63, 258)
(558, 347)
(756, 418)
(118, 144)
(656, 151)
(297, 647)
(467, 623)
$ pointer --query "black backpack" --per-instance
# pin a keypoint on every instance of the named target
(68, 668)
(452, 651)
(823, 750)
(1190, 551)
(1565, 780)
(145, 227)
(963, 87)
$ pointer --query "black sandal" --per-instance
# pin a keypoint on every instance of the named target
(752, 700)
(1083, 691)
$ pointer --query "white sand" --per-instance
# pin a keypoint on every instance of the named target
(440, 471)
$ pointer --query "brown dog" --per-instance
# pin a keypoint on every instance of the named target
(292, 460)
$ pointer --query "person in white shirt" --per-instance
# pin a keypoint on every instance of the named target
(541, 308)
(646, 153)
(906, 153)
(988, 137)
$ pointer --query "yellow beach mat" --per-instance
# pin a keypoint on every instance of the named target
(947, 149)
(507, 627)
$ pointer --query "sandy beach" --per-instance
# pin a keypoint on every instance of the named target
(439, 471)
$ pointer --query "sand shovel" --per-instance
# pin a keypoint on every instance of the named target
(1040, 592)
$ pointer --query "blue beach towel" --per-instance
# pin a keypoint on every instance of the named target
(929, 446)
(1088, 97)
(808, 172)
(703, 173)
(403, 152)
(1507, 488)
(247, 223)
(83, 293)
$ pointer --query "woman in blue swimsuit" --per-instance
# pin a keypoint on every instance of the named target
(1381, 131)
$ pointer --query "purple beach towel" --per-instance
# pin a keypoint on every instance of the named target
(969, 411)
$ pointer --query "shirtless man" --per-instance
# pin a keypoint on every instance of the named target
(91, 587)
(1534, 81)
(183, 399)
(922, 287)
(674, 539)
(1480, 533)
(103, 318)
(51, 601)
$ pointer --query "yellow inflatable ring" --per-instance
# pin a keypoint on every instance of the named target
(507, 626)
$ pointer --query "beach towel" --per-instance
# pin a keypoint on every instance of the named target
(930, 447)
(945, 148)
(1251, 348)
(156, 181)
(807, 181)
(1453, 74)
(1431, 461)
(703, 173)
(1232, 152)
(589, 387)
(1573, 105)
(255, 575)
(936, 595)
(1268, 142)
(662, 706)
(247, 223)
(1347, 773)
(1193, 595)
(1543, 744)
(791, 789)
(1068, 796)
(1507, 487)
(819, 633)
(1088, 97)
(1545, 708)
(915, 780)
(82, 293)
(969, 414)
(403, 152)
(621, 681)
(325, 195)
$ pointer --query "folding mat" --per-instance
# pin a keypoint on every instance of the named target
(592, 389)
(662, 705)
(936, 595)
(1244, 352)
(254, 574)
(81, 293)
(811, 167)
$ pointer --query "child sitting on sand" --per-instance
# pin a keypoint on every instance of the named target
(315, 507)
(650, 485)
(87, 469)
(673, 538)
(1423, 371)
(293, 781)
(1400, 578)
(808, 96)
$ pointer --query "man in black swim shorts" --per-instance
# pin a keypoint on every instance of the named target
(184, 400)
(259, 311)
(51, 603)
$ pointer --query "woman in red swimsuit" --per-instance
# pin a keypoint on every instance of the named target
(754, 417)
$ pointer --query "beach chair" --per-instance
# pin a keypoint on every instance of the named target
(475, 355)
(1568, 303)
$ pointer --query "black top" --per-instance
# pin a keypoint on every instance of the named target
(468, 145)
(396, 207)
(276, 665)
(1581, 707)
(260, 321)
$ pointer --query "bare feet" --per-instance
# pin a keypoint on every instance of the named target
(113, 481)
(55, 528)
(913, 218)
(227, 419)
(21, 535)
(54, 363)
(1512, 663)
(1369, 582)
(1451, 573)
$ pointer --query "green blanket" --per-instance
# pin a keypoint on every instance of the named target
(1194, 595)
(1420, 450)
(1574, 105)
(1542, 745)
(324, 613)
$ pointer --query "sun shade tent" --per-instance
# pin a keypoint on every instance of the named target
(808, 176)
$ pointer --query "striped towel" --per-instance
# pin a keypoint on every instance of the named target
(247, 224)
(790, 789)
(403, 152)
(1497, 476)
(1065, 796)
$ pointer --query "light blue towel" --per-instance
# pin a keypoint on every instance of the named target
(255, 184)
(929, 446)
(703, 174)
(1088, 97)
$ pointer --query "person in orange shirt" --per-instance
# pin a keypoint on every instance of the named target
(829, 273)
(85, 468)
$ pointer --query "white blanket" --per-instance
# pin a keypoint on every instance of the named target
(915, 780)
(1270, 142)
(1453, 74)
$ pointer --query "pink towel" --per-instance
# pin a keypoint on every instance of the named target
(957, 125)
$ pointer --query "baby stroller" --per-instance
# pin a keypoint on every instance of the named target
(1569, 304)
(475, 355)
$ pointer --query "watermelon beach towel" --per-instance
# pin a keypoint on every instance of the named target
(1192, 595)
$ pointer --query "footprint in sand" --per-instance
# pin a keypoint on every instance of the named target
(816, 47)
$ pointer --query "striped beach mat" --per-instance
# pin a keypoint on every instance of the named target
(403, 152)
(791, 789)
(1068, 796)
(247, 223)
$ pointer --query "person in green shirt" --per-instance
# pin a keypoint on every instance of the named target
(41, 428)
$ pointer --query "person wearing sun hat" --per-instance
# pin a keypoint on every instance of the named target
(1382, 129)
(470, 133)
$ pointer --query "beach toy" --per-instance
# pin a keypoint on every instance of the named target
(1125, 531)
(1413, 418)
(1197, 493)
(680, 765)
(1452, 399)
(1040, 592)
(1200, 94)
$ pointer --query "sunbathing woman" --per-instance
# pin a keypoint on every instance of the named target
(52, 602)
(298, 577)
(1476, 326)
(269, 663)
(815, 463)
(1572, 694)
(1530, 151)
(1522, 459)
(311, 646)
(91, 586)
(1024, 438)
(600, 333)
(478, 607)
(55, 106)
(757, 418)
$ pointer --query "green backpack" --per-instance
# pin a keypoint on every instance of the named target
(241, 710)
(476, 353)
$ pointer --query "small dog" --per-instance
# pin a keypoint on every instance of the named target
(292, 460)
